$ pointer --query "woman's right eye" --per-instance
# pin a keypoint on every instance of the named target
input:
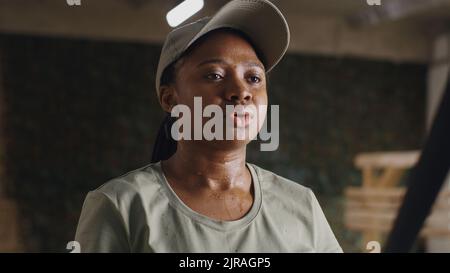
(214, 76)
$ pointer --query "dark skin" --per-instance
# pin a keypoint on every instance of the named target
(211, 177)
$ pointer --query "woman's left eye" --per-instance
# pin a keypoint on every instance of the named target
(214, 76)
(254, 79)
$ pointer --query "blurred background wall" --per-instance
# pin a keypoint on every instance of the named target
(79, 106)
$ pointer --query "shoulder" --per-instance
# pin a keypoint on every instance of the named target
(136, 184)
(113, 215)
(282, 188)
(289, 200)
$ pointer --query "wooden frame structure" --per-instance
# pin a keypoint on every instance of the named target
(372, 208)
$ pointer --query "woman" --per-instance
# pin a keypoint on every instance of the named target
(201, 195)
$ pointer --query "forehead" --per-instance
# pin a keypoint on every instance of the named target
(224, 44)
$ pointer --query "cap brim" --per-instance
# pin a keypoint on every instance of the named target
(260, 20)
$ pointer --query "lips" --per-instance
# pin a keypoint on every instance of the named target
(241, 120)
(240, 116)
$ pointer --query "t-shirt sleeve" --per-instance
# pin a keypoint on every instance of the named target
(324, 239)
(101, 227)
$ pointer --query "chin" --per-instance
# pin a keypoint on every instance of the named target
(227, 144)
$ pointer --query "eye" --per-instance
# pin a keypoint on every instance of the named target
(255, 79)
(214, 76)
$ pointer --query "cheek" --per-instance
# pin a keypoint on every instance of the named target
(260, 96)
(191, 99)
(261, 102)
(188, 101)
(262, 113)
(191, 89)
(185, 94)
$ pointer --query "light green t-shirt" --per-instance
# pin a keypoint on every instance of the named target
(139, 212)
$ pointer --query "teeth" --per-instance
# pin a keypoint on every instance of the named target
(242, 115)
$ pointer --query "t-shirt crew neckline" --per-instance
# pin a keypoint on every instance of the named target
(213, 223)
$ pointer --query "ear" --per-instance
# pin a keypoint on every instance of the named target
(167, 97)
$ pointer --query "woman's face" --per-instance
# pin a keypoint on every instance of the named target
(224, 69)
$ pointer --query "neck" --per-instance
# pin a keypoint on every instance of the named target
(199, 166)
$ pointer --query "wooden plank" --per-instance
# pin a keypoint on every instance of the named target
(388, 196)
(373, 208)
(374, 218)
(2, 142)
(371, 205)
(363, 215)
(386, 228)
(363, 226)
(9, 228)
(380, 205)
(429, 232)
(390, 177)
(386, 193)
(439, 219)
(396, 159)
(371, 235)
(368, 177)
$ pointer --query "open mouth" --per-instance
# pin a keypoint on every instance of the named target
(242, 119)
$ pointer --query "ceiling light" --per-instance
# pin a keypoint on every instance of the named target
(183, 11)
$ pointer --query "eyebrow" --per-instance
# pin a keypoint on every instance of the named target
(221, 61)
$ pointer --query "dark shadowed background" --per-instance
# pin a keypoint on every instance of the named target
(81, 112)
(78, 105)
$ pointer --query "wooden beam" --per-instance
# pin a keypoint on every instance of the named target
(2, 143)
(392, 10)
(372, 212)
(394, 159)
(10, 240)
(390, 177)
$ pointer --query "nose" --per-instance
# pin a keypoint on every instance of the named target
(238, 91)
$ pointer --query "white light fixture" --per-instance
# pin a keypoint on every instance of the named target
(183, 11)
